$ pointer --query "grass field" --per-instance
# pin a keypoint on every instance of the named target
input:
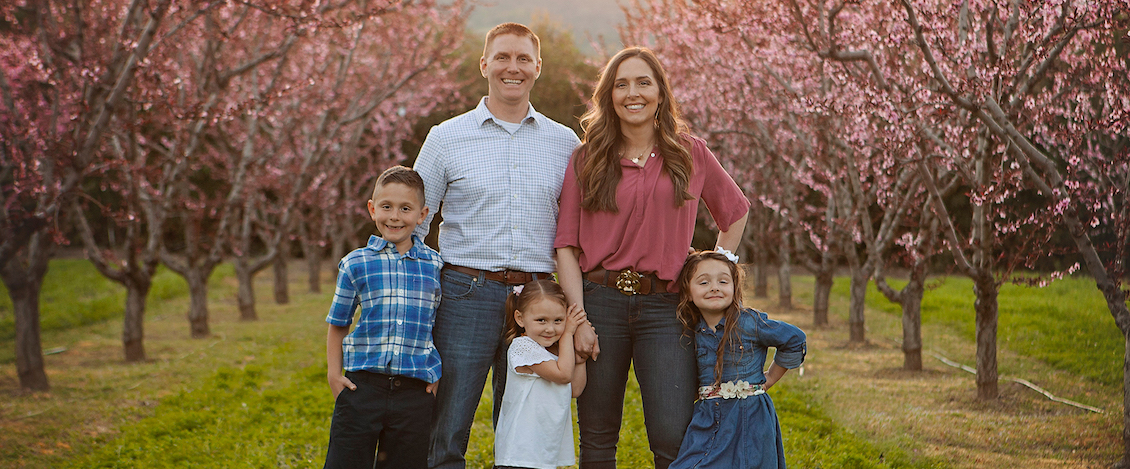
(1066, 324)
(75, 294)
(254, 395)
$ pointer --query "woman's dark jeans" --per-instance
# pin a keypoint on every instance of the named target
(641, 330)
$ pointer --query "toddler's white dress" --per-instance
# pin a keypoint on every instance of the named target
(535, 425)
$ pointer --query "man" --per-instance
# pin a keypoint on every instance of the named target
(497, 170)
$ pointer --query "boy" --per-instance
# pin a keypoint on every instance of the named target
(390, 364)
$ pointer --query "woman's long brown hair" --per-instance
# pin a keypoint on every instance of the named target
(689, 314)
(599, 173)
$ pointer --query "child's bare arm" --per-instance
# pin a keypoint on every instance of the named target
(580, 378)
(334, 359)
(774, 374)
(561, 370)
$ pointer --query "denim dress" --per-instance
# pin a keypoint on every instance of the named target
(739, 433)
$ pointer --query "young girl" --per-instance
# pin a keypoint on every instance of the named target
(734, 423)
(535, 426)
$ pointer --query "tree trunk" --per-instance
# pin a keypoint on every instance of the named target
(340, 234)
(133, 325)
(338, 248)
(912, 323)
(856, 324)
(23, 276)
(822, 292)
(198, 302)
(246, 295)
(313, 266)
(1125, 462)
(760, 274)
(985, 289)
(282, 288)
(784, 271)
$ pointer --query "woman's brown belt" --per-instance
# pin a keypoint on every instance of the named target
(628, 281)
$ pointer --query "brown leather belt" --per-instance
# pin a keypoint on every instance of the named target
(628, 281)
(509, 277)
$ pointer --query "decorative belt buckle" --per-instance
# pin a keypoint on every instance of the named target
(628, 282)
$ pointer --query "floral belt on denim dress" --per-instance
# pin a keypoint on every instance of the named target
(730, 390)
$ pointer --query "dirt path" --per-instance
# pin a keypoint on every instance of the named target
(935, 412)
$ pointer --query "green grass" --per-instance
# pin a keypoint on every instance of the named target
(1066, 324)
(75, 294)
(266, 415)
(269, 406)
(269, 416)
(813, 440)
(256, 393)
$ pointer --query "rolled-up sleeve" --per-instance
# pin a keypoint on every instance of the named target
(723, 197)
(345, 300)
(569, 215)
(430, 165)
(789, 340)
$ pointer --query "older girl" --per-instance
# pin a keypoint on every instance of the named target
(735, 424)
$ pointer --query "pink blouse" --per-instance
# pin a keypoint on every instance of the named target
(648, 234)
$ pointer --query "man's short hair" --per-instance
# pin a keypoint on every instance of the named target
(401, 175)
(516, 29)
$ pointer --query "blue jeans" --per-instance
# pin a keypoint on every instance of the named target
(468, 335)
(639, 329)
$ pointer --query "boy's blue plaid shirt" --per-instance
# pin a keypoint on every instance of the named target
(398, 295)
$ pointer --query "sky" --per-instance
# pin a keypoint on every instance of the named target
(584, 17)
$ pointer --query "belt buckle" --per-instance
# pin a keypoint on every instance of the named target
(628, 282)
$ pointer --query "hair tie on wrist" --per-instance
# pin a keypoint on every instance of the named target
(729, 255)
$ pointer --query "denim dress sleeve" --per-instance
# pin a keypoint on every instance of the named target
(763, 332)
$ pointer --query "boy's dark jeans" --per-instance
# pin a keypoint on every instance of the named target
(394, 410)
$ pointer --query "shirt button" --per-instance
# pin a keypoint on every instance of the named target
(399, 322)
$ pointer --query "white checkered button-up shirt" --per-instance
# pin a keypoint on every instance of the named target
(499, 190)
(398, 295)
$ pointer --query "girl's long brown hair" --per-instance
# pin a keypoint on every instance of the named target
(599, 173)
(532, 292)
(689, 314)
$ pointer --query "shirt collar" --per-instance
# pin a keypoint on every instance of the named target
(378, 243)
(483, 114)
(703, 326)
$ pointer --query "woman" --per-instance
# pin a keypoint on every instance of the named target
(628, 209)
